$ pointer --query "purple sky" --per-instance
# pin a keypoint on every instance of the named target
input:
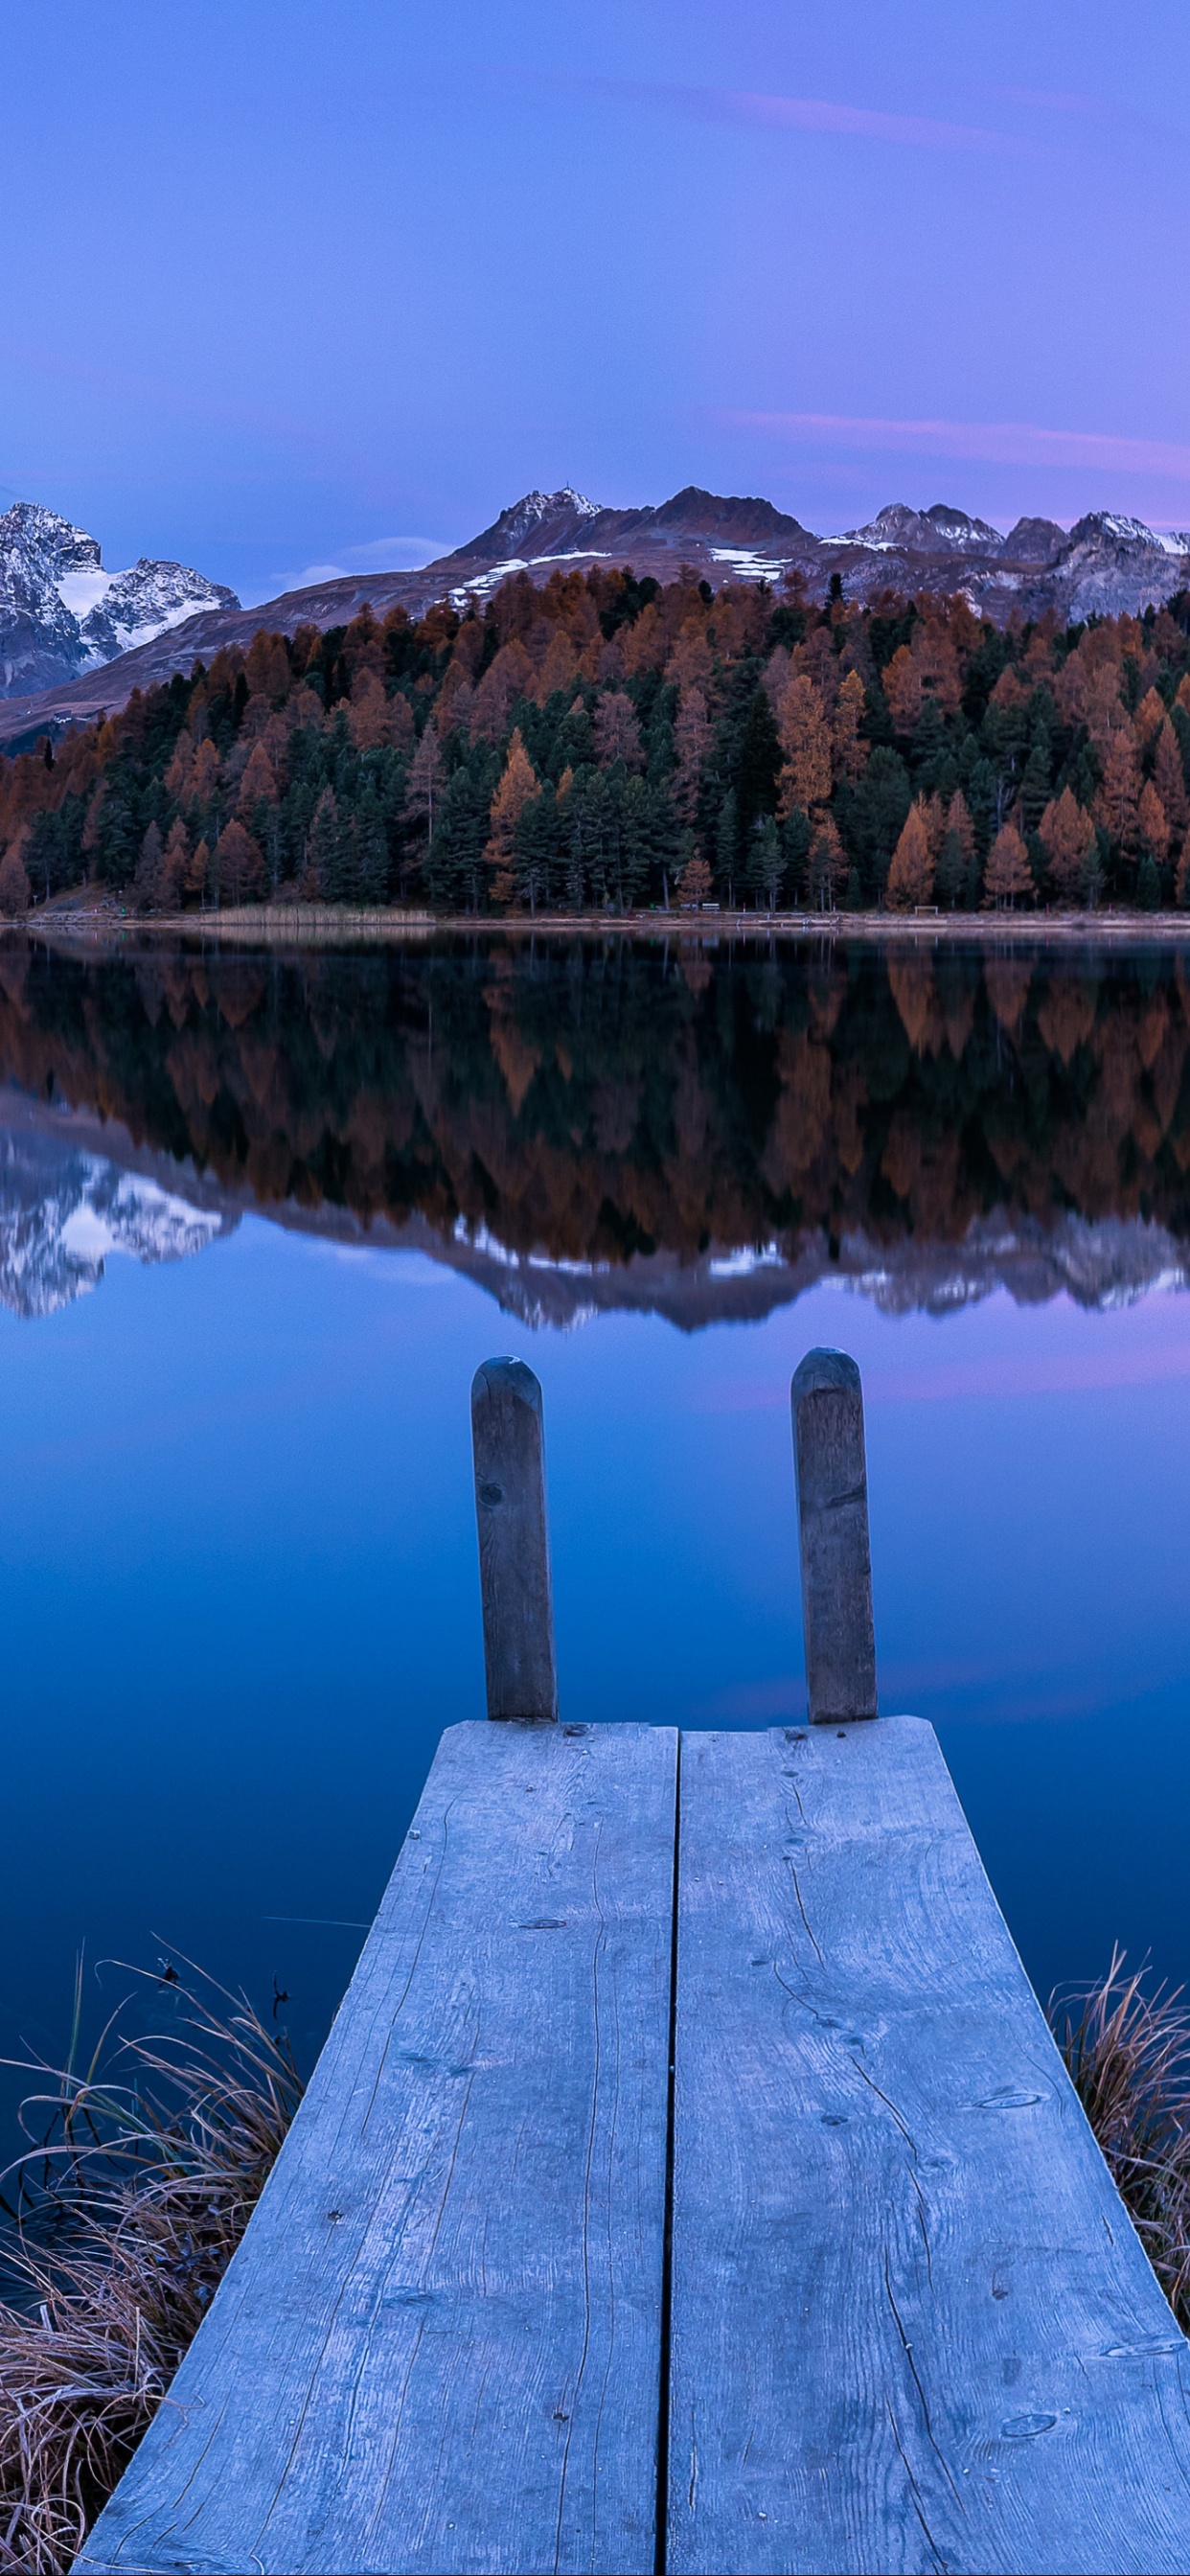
(291, 286)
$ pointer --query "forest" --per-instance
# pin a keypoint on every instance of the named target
(604, 745)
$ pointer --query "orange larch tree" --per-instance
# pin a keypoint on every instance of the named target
(1066, 833)
(1008, 873)
(517, 785)
(850, 752)
(911, 875)
(902, 688)
(805, 740)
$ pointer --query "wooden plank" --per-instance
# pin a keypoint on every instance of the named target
(912, 2326)
(438, 2347)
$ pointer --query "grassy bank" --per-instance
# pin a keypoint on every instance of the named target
(121, 2220)
(329, 926)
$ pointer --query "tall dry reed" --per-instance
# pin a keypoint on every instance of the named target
(122, 2218)
(1128, 2056)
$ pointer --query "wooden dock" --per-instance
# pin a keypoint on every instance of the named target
(690, 2181)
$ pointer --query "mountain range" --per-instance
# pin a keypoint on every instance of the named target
(75, 641)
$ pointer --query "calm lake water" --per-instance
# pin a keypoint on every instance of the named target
(259, 1220)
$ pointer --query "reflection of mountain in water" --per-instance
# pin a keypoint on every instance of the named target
(63, 1211)
(65, 1208)
(702, 1136)
(1110, 1264)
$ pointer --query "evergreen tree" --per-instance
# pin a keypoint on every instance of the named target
(323, 874)
(758, 766)
(536, 843)
(876, 816)
(1035, 785)
(950, 875)
(371, 850)
(795, 842)
(637, 827)
(149, 882)
(727, 845)
(453, 868)
(1148, 884)
(767, 861)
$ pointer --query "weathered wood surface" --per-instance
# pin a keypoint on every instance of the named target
(830, 1466)
(439, 2346)
(508, 1441)
(912, 2327)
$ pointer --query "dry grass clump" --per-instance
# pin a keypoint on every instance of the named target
(1128, 2056)
(122, 2219)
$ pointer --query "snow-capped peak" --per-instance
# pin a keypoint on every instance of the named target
(1130, 532)
(60, 612)
(537, 507)
(1114, 525)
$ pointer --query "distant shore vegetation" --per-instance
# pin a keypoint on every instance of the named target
(605, 744)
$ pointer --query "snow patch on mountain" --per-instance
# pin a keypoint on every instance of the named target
(80, 592)
(939, 529)
(62, 614)
(64, 1213)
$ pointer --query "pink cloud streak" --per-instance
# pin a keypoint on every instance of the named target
(813, 116)
(867, 124)
(1000, 1377)
(1003, 442)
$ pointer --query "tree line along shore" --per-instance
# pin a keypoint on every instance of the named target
(601, 745)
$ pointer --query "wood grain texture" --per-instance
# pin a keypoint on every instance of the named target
(508, 1441)
(830, 1466)
(913, 2328)
(438, 2347)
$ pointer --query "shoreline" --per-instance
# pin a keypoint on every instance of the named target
(324, 925)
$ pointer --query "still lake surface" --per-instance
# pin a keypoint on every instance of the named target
(261, 1217)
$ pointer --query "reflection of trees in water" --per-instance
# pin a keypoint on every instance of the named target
(592, 1102)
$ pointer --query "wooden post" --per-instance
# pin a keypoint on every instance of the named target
(832, 1495)
(514, 1555)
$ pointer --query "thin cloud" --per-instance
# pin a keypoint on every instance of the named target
(312, 573)
(381, 553)
(1055, 102)
(997, 442)
(1086, 1372)
(813, 116)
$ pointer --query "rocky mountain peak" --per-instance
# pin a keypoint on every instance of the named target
(1034, 541)
(725, 518)
(34, 533)
(968, 536)
(545, 518)
(940, 529)
(61, 613)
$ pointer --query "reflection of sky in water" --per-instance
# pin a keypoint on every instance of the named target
(241, 1600)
